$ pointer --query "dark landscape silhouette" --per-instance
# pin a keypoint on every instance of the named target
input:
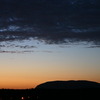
(53, 90)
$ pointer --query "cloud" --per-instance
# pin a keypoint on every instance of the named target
(13, 52)
(96, 46)
(50, 21)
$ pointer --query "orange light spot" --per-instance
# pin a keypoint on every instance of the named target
(22, 98)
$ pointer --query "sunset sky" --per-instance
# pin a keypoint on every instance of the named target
(44, 41)
(48, 63)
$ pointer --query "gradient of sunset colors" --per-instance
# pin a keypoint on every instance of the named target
(49, 63)
(48, 40)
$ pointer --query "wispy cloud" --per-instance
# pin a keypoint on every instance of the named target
(13, 52)
(50, 21)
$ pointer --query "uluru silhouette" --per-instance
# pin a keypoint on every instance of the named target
(53, 90)
(68, 85)
(79, 90)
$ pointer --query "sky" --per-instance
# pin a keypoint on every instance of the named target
(52, 40)
(47, 62)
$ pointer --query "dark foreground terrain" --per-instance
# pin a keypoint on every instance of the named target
(63, 90)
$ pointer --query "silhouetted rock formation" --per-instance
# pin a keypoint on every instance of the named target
(68, 85)
(63, 90)
(80, 90)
